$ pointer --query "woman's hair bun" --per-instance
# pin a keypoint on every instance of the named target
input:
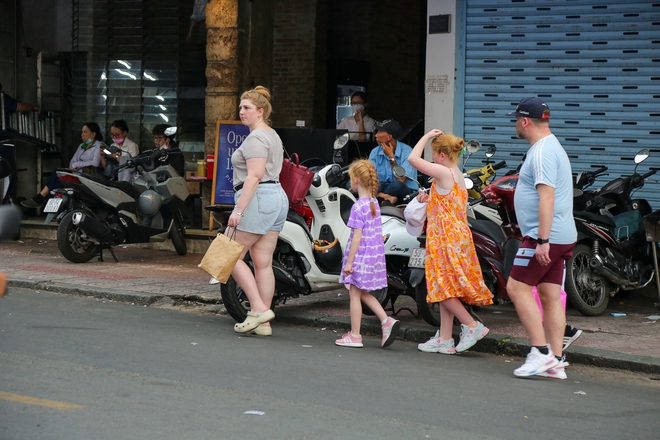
(458, 144)
(263, 92)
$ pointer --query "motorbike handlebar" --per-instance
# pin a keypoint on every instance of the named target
(499, 165)
(649, 174)
(145, 158)
(600, 170)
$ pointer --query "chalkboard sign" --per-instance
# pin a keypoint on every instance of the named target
(229, 135)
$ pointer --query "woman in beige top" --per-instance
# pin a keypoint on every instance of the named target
(261, 206)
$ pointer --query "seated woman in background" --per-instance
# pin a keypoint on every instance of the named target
(86, 159)
(175, 157)
(110, 162)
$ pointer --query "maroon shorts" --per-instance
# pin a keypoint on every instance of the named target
(528, 270)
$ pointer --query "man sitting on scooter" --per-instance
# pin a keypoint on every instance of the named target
(389, 153)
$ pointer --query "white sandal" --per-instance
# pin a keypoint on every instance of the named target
(253, 321)
(263, 330)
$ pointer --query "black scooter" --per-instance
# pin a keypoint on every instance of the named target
(611, 253)
(96, 213)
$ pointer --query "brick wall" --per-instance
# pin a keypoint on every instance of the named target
(318, 44)
(378, 44)
(293, 62)
(396, 35)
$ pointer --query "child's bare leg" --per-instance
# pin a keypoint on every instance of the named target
(374, 305)
(446, 322)
(456, 307)
(355, 295)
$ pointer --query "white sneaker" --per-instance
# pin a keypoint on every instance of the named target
(536, 363)
(437, 345)
(470, 336)
(213, 281)
(556, 372)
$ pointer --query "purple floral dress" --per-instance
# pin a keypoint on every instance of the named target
(369, 271)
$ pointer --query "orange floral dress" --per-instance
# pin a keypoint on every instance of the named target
(452, 266)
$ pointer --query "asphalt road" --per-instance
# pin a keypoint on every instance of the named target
(81, 368)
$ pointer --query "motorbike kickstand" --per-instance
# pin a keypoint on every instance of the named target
(396, 312)
(112, 252)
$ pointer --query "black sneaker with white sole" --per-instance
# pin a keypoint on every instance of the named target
(571, 334)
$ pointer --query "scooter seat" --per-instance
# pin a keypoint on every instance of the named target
(124, 186)
(489, 228)
(392, 212)
(597, 218)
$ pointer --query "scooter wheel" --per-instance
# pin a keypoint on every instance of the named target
(429, 312)
(178, 235)
(71, 243)
(234, 298)
(588, 291)
(383, 297)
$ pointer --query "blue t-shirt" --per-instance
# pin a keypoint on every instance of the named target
(547, 163)
(384, 168)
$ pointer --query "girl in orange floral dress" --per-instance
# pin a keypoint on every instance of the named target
(453, 275)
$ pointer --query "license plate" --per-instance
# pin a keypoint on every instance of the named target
(417, 258)
(53, 204)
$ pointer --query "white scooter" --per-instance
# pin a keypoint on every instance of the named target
(308, 259)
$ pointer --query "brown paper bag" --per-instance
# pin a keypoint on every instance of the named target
(221, 257)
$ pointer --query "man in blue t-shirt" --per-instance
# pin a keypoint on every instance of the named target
(389, 153)
(544, 209)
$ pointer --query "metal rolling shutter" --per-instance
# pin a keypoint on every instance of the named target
(596, 64)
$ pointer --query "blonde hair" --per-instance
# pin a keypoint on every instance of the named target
(260, 97)
(449, 144)
(365, 172)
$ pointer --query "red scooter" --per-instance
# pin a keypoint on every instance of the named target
(497, 245)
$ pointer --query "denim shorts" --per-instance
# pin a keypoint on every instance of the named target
(266, 211)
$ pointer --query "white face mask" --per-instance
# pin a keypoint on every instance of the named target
(356, 107)
(163, 147)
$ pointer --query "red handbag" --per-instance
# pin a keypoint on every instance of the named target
(296, 180)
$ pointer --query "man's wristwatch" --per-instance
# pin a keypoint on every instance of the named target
(542, 240)
(392, 160)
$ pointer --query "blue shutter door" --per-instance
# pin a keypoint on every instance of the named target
(595, 63)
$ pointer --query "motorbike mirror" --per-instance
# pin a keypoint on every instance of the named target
(170, 131)
(473, 146)
(399, 171)
(642, 156)
(491, 151)
(340, 141)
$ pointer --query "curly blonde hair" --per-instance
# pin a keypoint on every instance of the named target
(449, 144)
(365, 172)
(260, 97)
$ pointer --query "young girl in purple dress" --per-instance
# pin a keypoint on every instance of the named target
(363, 268)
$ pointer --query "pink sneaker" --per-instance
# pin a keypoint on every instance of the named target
(349, 340)
(390, 329)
